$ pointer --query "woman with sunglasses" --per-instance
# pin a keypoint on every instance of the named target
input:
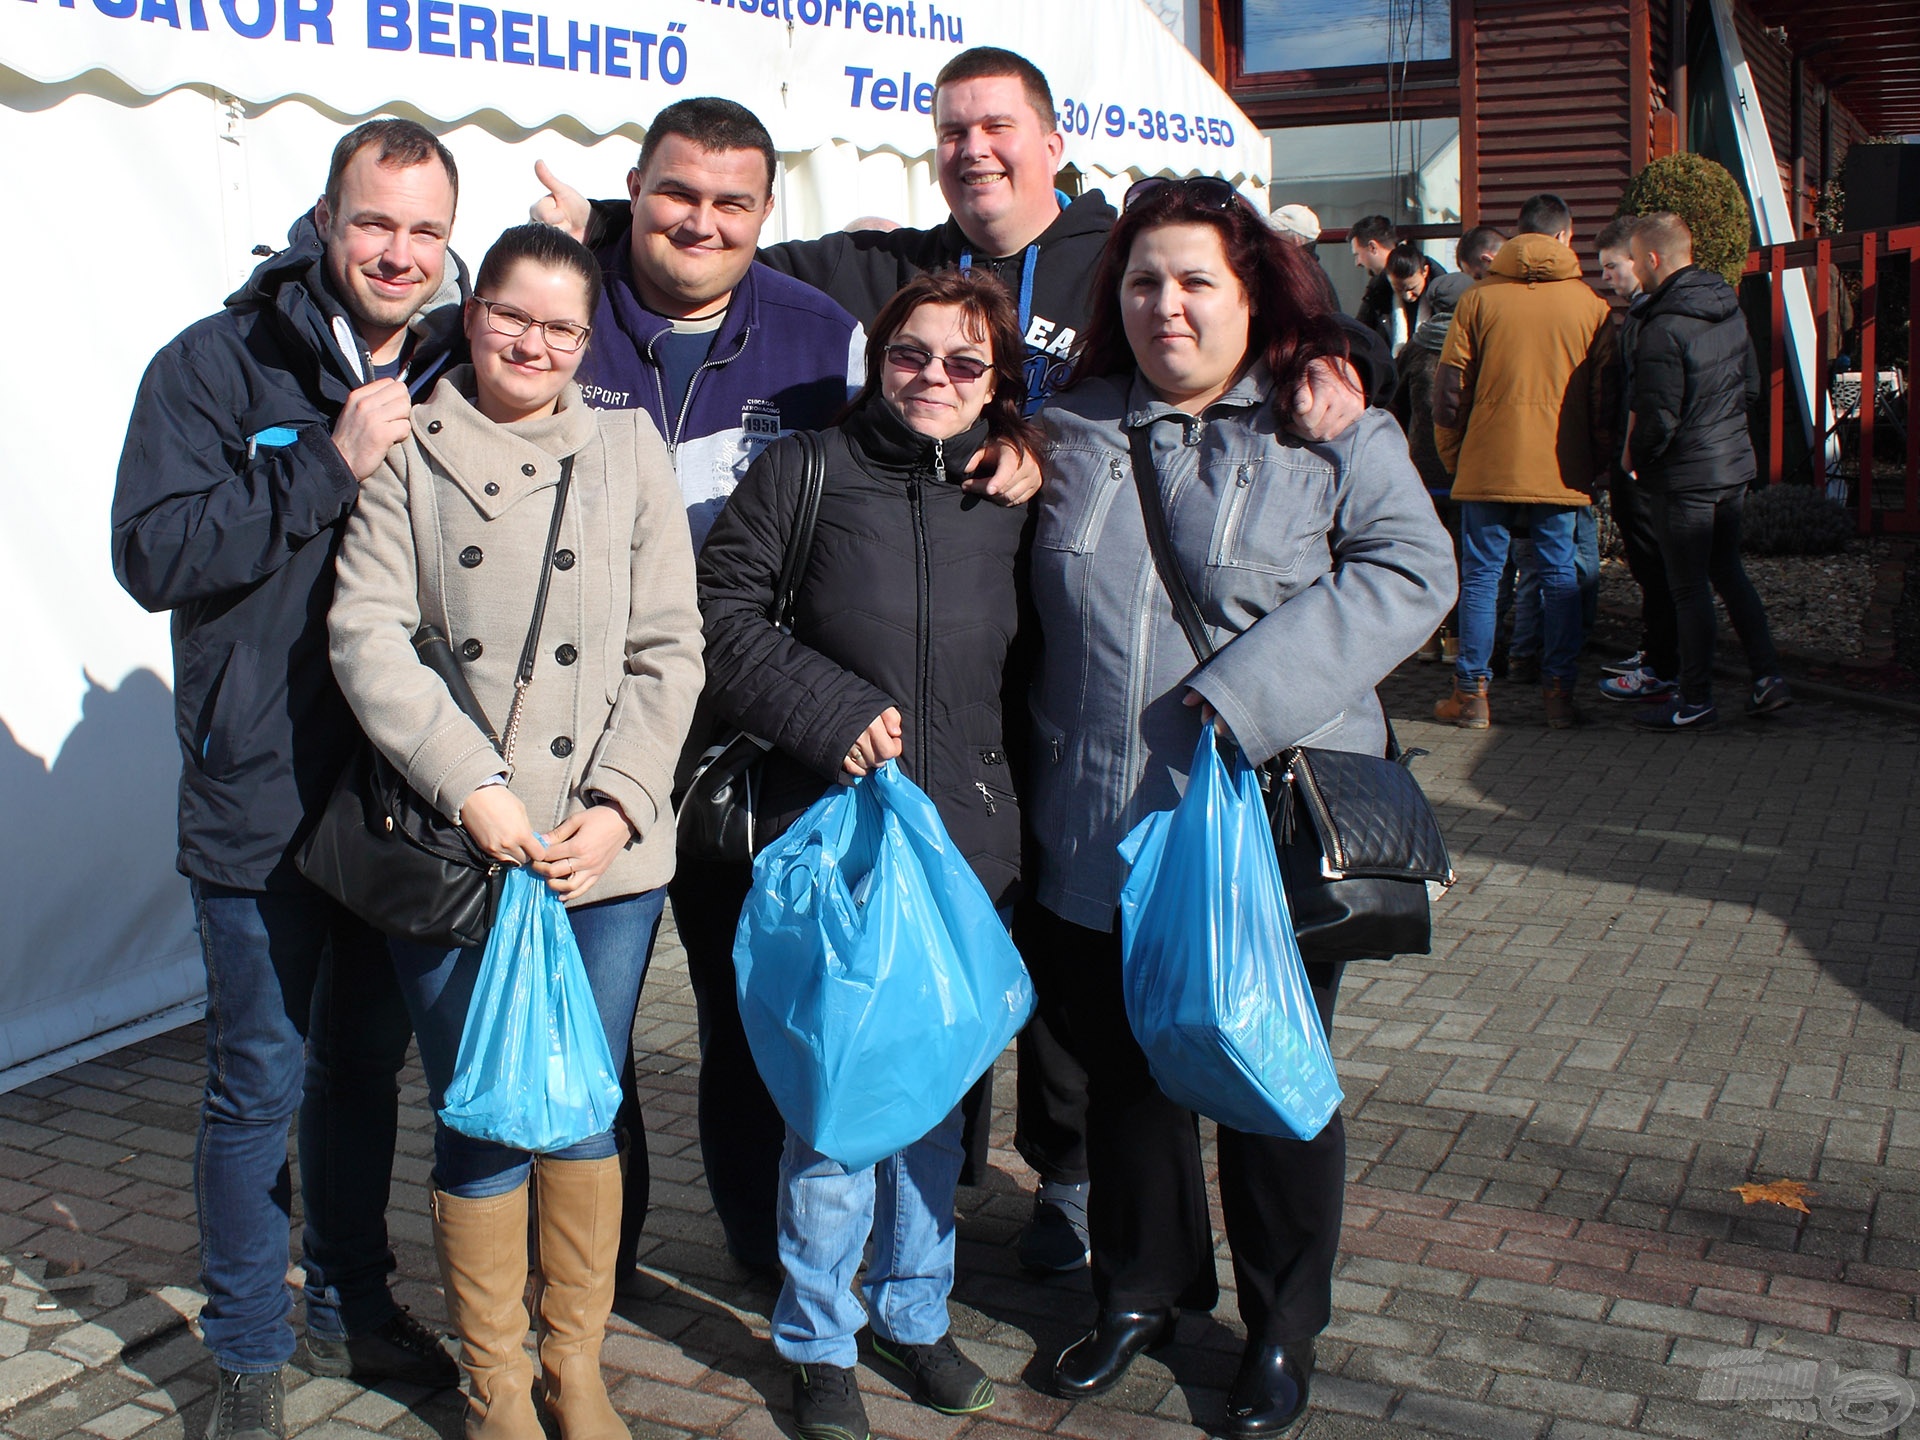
(454, 531)
(1317, 567)
(902, 647)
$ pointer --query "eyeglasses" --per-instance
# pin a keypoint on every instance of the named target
(505, 319)
(1208, 190)
(961, 369)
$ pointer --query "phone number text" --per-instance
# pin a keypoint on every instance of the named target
(1079, 118)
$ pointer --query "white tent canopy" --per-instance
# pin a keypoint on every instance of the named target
(152, 144)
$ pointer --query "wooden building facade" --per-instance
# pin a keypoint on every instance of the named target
(1572, 96)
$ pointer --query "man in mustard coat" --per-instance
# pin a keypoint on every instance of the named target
(1523, 425)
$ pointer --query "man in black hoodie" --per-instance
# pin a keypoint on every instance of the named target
(1694, 379)
(249, 438)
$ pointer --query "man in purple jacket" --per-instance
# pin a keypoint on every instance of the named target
(727, 356)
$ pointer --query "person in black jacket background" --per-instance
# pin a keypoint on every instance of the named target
(249, 438)
(905, 646)
(1694, 379)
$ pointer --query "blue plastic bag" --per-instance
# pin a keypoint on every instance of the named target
(1215, 990)
(876, 981)
(533, 1070)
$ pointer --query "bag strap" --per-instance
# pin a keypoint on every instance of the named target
(523, 677)
(1160, 542)
(813, 479)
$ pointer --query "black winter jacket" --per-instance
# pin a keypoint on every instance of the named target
(227, 512)
(1694, 379)
(913, 596)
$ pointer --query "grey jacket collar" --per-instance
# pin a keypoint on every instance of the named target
(1252, 389)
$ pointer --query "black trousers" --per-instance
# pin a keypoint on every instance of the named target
(1700, 541)
(1659, 629)
(741, 1130)
(1152, 1240)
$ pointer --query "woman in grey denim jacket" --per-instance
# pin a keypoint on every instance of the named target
(1319, 567)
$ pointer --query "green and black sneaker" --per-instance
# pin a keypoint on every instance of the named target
(826, 1404)
(943, 1378)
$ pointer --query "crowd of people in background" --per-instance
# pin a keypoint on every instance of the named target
(1519, 429)
(365, 443)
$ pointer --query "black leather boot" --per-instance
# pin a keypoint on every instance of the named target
(1270, 1392)
(1098, 1361)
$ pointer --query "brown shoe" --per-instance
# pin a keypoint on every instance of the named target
(1561, 714)
(1466, 707)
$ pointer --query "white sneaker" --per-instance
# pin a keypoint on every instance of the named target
(1625, 666)
(1640, 684)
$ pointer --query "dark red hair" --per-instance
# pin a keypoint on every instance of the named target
(1290, 326)
(990, 319)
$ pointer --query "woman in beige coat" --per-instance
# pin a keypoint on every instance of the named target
(452, 531)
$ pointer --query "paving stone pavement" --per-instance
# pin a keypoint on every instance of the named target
(1673, 965)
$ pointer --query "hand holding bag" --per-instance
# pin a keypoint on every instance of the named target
(1356, 837)
(533, 1071)
(715, 816)
(876, 980)
(383, 850)
(1214, 987)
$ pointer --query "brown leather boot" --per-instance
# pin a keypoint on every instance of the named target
(1466, 707)
(1561, 713)
(578, 1218)
(482, 1245)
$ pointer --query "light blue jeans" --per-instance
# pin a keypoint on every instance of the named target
(1528, 612)
(827, 1215)
(1485, 531)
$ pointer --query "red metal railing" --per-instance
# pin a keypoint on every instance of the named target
(1864, 250)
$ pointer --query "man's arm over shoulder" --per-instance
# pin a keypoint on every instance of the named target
(199, 508)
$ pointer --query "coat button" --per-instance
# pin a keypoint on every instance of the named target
(471, 649)
(433, 427)
(527, 469)
(492, 489)
(566, 654)
(562, 747)
(563, 559)
(471, 556)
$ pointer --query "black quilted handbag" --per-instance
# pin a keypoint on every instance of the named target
(384, 851)
(714, 818)
(1356, 837)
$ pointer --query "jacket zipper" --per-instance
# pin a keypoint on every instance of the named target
(686, 403)
(1236, 510)
(987, 795)
(923, 676)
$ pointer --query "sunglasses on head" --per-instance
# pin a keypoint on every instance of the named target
(1208, 190)
(961, 369)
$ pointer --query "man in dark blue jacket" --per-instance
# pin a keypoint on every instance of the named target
(1694, 379)
(249, 438)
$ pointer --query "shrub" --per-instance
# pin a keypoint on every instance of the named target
(1794, 520)
(1704, 195)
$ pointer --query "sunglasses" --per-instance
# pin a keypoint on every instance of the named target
(961, 369)
(1208, 190)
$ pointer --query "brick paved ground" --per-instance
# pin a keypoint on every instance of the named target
(1673, 965)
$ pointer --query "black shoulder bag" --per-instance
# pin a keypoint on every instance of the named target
(383, 851)
(716, 816)
(1356, 871)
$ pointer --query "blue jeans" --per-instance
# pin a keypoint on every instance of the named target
(616, 942)
(1527, 610)
(1486, 530)
(827, 1213)
(277, 1044)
